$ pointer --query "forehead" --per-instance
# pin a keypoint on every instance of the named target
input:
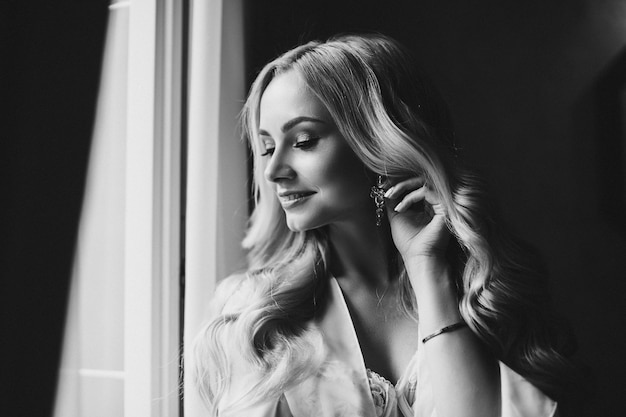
(286, 97)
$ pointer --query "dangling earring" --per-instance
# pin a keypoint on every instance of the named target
(378, 194)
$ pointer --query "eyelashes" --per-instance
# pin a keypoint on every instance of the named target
(304, 141)
(307, 143)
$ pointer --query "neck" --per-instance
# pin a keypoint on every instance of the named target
(360, 253)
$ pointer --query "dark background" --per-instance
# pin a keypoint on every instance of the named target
(50, 55)
(536, 89)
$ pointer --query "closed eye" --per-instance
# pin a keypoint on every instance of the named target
(305, 141)
(268, 151)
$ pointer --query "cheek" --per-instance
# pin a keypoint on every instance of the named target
(346, 179)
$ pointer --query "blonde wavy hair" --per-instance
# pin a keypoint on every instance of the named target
(399, 127)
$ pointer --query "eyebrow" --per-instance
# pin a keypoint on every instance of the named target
(292, 123)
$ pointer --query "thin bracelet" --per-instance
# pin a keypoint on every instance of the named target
(446, 329)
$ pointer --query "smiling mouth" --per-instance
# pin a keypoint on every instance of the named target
(293, 199)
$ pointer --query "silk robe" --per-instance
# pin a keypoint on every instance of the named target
(344, 387)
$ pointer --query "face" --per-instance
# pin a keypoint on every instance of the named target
(315, 174)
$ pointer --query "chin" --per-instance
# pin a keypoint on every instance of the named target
(301, 225)
(297, 227)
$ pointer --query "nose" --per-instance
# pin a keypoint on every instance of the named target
(278, 168)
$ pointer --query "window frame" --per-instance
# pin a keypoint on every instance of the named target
(217, 180)
(153, 209)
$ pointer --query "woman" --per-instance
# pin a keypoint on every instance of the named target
(378, 283)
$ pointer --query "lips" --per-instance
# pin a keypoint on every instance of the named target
(292, 198)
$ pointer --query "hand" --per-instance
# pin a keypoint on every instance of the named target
(417, 220)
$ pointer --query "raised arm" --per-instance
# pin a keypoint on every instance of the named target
(465, 378)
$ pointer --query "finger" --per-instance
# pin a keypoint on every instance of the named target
(411, 198)
(403, 186)
(434, 202)
(433, 199)
(433, 210)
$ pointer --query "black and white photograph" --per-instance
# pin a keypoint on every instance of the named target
(288, 208)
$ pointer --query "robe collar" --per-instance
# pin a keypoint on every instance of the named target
(341, 340)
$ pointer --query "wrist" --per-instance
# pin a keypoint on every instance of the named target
(435, 293)
(428, 270)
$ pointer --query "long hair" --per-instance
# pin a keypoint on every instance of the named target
(398, 126)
